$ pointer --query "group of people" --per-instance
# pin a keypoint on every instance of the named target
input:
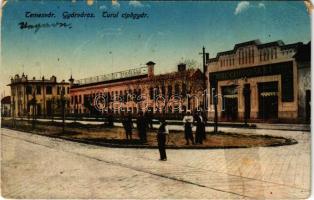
(199, 120)
(144, 122)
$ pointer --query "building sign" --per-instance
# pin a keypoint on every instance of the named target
(114, 76)
(285, 69)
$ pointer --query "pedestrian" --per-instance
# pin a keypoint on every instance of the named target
(188, 120)
(141, 125)
(204, 124)
(149, 120)
(162, 138)
(128, 125)
(200, 129)
(110, 118)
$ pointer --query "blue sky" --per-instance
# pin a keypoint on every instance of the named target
(173, 31)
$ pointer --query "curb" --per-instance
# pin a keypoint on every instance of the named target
(288, 141)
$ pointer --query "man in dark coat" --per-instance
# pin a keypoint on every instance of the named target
(149, 120)
(162, 136)
(141, 125)
(200, 129)
(128, 125)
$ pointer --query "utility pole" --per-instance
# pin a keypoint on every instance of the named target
(205, 57)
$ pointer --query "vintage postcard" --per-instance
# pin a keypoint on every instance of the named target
(155, 99)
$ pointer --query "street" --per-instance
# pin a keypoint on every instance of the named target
(35, 166)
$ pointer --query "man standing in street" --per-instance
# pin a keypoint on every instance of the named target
(141, 125)
(187, 121)
(162, 136)
(200, 129)
(128, 125)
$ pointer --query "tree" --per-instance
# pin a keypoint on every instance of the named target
(191, 63)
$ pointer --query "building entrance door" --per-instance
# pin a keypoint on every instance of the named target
(247, 101)
(268, 100)
(230, 102)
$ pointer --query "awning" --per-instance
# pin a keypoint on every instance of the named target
(268, 94)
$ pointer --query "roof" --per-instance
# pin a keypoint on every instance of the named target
(259, 45)
(6, 100)
(243, 44)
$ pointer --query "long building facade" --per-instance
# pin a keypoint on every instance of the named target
(41, 97)
(255, 81)
(138, 90)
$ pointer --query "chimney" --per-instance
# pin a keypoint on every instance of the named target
(181, 67)
(150, 66)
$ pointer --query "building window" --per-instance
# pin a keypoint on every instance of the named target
(29, 89)
(80, 99)
(245, 56)
(71, 99)
(260, 55)
(184, 90)
(240, 58)
(177, 89)
(163, 90)
(275, 52)
(38, 89)
(252, 55)
(48, 89)
(169, 91)
(151, 93)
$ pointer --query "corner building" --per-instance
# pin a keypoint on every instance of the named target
(41, 97)
(255, 81)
